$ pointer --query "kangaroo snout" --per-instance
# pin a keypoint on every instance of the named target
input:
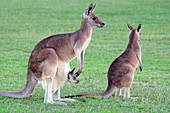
(77, 81)
(101, 25)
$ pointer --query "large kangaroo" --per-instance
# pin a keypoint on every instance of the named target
(121, 71)
(49, 60)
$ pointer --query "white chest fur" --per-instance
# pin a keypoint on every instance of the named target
(87, 41)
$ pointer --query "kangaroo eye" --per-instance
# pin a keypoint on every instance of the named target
(74, 77)
(94, 18)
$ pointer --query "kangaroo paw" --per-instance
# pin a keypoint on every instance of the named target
(140, 68)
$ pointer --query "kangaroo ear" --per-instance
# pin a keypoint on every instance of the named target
(88, 10)
(139, 27)
(93, 7)
(130, 27)
(72, 70)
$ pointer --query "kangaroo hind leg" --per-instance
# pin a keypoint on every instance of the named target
(56, 96)
(118, 92)
(48, 90)
(127, 92)
(48, 98)
(48, 68)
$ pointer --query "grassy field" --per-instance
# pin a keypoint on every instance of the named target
(23, 23)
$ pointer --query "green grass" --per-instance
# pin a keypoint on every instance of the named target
(23, 23)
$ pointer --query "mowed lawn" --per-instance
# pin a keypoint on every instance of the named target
(23, 23)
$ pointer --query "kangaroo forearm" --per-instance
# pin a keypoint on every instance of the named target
(140, 62)
(82, 59)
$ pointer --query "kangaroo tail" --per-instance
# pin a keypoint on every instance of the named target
(110, 89)
(85, 95)
(30, 85)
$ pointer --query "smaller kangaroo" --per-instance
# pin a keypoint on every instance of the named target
(121, 72)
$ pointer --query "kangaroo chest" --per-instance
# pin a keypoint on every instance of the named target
(87, 41)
